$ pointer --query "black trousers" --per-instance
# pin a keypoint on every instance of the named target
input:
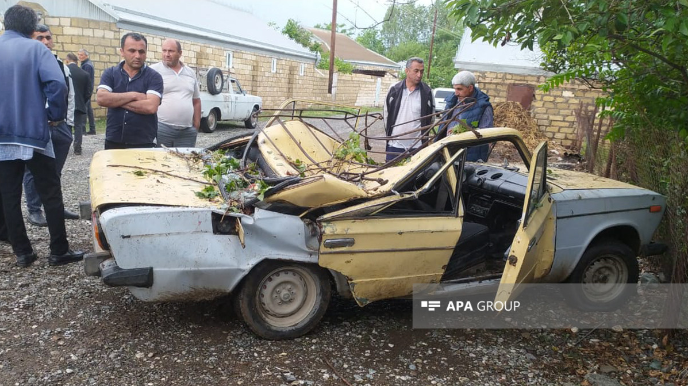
(49, 190)
(111, 145)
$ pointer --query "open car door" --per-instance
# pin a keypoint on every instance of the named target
(383, 253)
(532, 250)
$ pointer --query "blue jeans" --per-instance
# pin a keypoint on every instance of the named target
(61, 136)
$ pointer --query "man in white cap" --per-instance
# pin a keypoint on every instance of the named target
(474, 111)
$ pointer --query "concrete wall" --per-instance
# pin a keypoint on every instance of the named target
(102, 40)
(554, 111)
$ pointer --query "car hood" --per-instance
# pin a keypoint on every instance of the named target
(146, 176)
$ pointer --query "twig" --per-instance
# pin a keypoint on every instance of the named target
(588, 334)
(336, 373)
(162, 172)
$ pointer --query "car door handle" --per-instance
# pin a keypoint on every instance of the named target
(531, 243)
(338, 243)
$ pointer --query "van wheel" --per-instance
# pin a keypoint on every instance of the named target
(280, 300)
(606, 275)
(250, 123)
(209, 124)
(214, 81)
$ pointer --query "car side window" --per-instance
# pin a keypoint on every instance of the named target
(233, 85)
(538, 188)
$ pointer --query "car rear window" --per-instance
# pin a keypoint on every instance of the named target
(442, 94)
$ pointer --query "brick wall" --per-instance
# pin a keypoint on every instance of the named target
(102, 40)
(554, 111)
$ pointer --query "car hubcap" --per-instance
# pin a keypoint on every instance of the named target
(605, 279)
(211, 120)
(287, 296)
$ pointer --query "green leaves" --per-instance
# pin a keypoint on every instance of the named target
(627, 47)
(208, 192)
(350, 149)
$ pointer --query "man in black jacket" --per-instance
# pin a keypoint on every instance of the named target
(87, 66)
(82, 96)
(406, 103)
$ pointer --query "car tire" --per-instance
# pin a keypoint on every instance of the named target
(250, 123)
(604, 278)
(281, 300)
(214, 81)
(210, 123)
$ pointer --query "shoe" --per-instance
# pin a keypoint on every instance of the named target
(71, 215)
(26, 260)
(90, 133)
(77, 151)
(38, 219)
(69, 257)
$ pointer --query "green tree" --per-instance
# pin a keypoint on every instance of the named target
(302, 36)
(340, 28)
(637, 50)
(406, 23)
(370, 39)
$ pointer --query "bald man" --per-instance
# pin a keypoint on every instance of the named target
(179, 114)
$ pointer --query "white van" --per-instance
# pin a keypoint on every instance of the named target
(440, 95)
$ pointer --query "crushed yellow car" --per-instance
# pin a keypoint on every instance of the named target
(298, 209)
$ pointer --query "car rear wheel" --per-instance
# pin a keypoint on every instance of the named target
(605, 276)
(280, 300)
(250, 123)
(209, 124)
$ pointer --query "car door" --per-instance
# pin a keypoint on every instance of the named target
(382, 256)
(230, 102)
(243, 107)
(531, 253)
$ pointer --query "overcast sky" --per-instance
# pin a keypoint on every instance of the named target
(362, 13)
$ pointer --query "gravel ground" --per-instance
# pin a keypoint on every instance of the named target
(60, 327)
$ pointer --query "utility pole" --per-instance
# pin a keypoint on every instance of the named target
(431, 48)
(332, 57)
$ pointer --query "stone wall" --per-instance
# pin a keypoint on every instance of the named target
(102, 40)
(555, 111)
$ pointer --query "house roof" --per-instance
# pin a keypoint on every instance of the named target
(351, 51)
(482, 56)
(206, 20)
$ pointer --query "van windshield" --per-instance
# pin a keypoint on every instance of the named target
(443, 94)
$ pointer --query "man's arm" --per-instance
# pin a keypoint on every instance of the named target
(146, 106)
(106, 98)
(487, 119)
(54, 86)
(196, 102)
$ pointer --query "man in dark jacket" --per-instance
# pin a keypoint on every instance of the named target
(408, 107)
(474, 111)
(82, 96)
(87, 66)
(30, 73)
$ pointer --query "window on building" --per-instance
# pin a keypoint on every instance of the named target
(228, 59)
(302, 67)
(274, 65)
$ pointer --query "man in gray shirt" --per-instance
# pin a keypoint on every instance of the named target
(179, 114)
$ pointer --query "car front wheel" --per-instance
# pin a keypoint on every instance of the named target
(209, 124)
(605, 277)
(280, 300)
